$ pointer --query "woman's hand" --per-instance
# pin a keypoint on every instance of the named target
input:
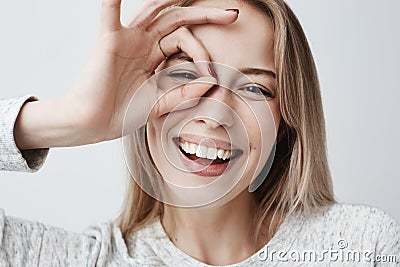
(122, 59)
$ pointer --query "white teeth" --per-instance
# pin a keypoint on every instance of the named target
(205, 152)
(227, 155)
(220, 153)
(201, 152)
(212, 153)
(192, 149)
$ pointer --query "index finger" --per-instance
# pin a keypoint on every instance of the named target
(180, 16)
(149, 11)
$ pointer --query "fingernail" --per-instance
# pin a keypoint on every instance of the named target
(211, 70)
(233, 10)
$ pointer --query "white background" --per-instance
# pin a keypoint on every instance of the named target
(44, 45)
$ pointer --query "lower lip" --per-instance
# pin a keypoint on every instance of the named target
(205, 170)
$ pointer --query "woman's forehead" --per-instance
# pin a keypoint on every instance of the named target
(248, 42)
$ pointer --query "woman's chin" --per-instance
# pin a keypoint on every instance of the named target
(187, 189)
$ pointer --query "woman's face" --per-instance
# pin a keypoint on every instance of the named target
(224, 141)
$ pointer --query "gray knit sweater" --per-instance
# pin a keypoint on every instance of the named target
(341, 235)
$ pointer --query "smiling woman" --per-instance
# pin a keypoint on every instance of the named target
(224, 137)
(280, 71)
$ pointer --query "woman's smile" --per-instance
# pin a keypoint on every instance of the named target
(206, 156)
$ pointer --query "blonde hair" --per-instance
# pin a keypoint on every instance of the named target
(299, 180)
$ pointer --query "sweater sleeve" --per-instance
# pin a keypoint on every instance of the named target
(388, 243)
(11, 158)
(28, 243)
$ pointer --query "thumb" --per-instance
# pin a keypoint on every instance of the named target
(110, 19)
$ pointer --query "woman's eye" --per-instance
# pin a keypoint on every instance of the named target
(256, 90)
(183, 75)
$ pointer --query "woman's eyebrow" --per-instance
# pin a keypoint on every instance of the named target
(247, 71)
(180, 56)
(257, 71)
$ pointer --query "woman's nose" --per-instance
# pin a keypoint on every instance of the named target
(215, 108)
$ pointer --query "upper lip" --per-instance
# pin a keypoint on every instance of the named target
(206, 141)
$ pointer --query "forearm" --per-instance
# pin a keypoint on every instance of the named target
(46, 124)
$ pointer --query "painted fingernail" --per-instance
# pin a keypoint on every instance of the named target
(212, 71)
(233, 10)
